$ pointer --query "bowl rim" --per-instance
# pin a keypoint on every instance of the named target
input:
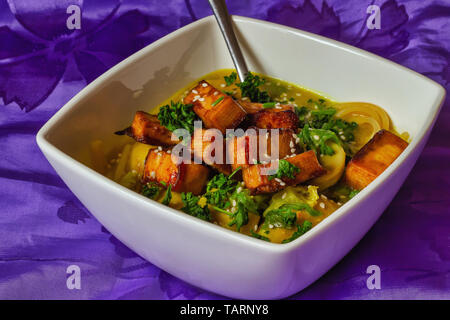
(340, 213)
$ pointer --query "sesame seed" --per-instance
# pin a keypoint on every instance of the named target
(222, 85)
(201, 99)
(291, 144)
(204, 85)
(255, 227)
(239, 189)
(278, 180)
(282, 184)
(293, 150)
(169, 151)
(270, 226)
(322, 205)
(283, 196)
(194, 91)
(160, 148)
(323, 196)
(153, 174)
(316, 137)
(234, 203)
(339, 203)
(216, 93)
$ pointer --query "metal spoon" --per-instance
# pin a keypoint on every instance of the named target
(223, 18)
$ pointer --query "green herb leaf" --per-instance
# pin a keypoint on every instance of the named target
(219, 188)
(192, 207)
(249, 88)
(319, 116)
(151, 190)
(285, 170)
(244, 204)
(353, 193)
(229, 80)
(316, 139)
(258, 236)
(301, 230)
(286, 215)
(167, 196)
(177, 115)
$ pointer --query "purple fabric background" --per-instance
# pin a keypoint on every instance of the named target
(44, 228)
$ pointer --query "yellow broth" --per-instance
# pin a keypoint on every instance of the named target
(125, 167)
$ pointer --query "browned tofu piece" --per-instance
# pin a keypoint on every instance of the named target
(183, 177)
(146, 128)
(274, 119)
(207, 153)
(372, 159)
(216, 109)
(254, 107)
(243, 155)
(258, 183)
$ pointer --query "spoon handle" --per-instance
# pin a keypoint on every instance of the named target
(224, 20)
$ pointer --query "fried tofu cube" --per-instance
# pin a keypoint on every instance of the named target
(216, 109)
(369, 162)
(258, 182)
(242, 153)
(274, 119)
(183, 177)
(147, 129)
(203, 147)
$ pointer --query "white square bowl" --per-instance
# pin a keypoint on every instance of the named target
(202, 253)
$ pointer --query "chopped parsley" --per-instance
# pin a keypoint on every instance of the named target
(229, 80)
(177, 115)
(301, 230)
(286, 215)
(318, 116)
(167, 196)
(341, 192)
(316, 139)
(151, 190)
(244, 204)
(285, 170)
(353, 193)
(227, 196)
(193, 208)
(219, 188)
(249, 88)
